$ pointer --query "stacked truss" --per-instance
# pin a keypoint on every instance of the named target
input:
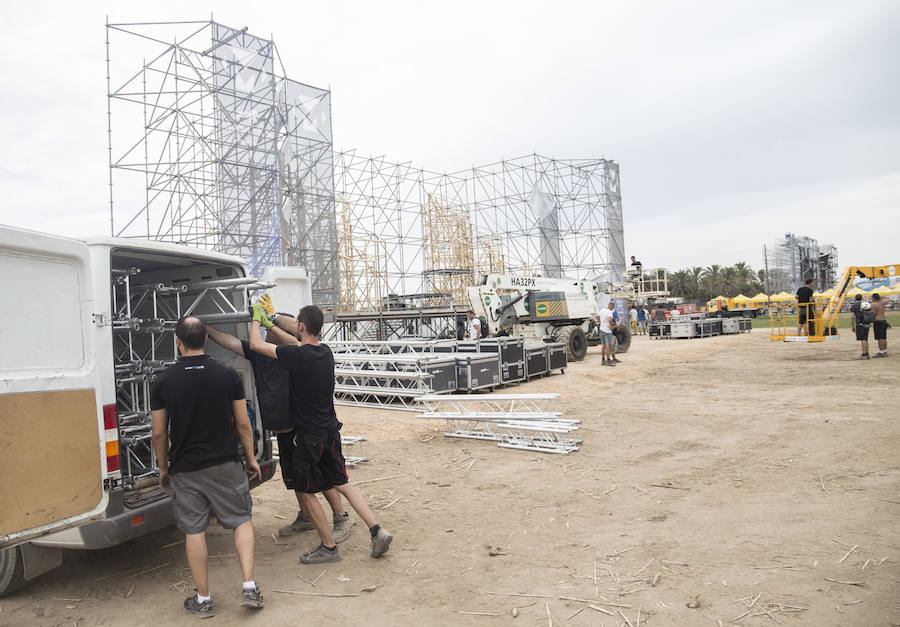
(229, 154)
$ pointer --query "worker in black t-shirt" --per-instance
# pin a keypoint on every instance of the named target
(198, 404)
(805, 309)
(273, 393)
(319, 462)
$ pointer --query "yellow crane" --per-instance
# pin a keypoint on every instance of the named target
(822, 319)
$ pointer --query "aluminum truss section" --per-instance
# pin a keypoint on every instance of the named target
(521, 421)
(389, 381)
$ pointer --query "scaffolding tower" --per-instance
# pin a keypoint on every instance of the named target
(795, 258)
(215, 147)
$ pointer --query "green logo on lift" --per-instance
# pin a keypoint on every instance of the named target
(542, 308)
(487, 301)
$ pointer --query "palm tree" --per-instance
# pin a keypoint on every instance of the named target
(696, 276)
(680, 283)
(730, 281)
(711, 281)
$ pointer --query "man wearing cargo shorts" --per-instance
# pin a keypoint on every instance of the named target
(605, 320)
(272, 382)
(880, 325)
(318, 460)
(198, 404)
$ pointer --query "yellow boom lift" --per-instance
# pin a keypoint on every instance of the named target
(822, 318)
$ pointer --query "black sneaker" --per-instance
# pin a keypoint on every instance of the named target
(616, 361)
(863, 356)
(252, 598)
(200, 610)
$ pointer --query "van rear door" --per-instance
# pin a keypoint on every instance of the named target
(51, 419)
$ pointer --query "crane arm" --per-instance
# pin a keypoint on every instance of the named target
(846, 282)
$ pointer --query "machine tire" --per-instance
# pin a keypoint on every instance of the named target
(576, 342)
(12, 570)
(622, 339)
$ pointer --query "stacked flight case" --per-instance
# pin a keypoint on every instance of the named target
(512, 356)
(535, 360)
(477, 371)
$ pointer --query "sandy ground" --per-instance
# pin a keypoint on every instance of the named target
(726, 479)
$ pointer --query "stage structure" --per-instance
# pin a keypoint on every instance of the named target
(442, 232)
(795, 258)
(211, 145)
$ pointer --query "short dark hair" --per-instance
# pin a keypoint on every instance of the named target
(859, 297)
(312, 318)
(808, 281)
(876, 296)
(191, 331)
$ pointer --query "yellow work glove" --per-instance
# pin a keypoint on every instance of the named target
(259, 315)
(265, 301)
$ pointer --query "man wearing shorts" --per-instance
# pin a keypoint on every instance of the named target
(605, 319)
(861, 310)
(198, 404)
(804, 309)
(272, 392)
(318, 461)
(880, 325)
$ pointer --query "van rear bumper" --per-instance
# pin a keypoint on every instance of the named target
(122, 524)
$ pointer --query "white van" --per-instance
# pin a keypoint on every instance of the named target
(86, 325)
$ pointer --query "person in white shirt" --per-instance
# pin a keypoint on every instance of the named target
(473, 326)
(605, 319)
(633, 316)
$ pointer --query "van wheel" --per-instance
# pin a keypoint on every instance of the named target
(12, 570)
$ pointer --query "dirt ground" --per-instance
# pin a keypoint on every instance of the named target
(727, 480)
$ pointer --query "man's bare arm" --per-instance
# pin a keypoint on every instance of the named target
(284, 337)
(225, 340)
(245, 433)
(287, 323)
(259, 345)
(160, 434)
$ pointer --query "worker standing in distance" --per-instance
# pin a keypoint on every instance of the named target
(273, 393)
(633, 316)
(879, 324)
(319, 462)
(635, 264)
(604, 319)
(805, 310)
(193, 403)
(473, 326)
(863, 319)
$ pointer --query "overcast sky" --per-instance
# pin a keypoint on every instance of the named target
(732, 122)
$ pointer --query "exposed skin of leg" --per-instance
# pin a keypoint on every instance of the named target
(358, 503)
(333, 498)
(864, 344)
(195, 547)
(317, 514)
(882, 345)
(243, 544)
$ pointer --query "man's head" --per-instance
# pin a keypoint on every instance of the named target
(310, 321)
(876, 297)
(632, 258)
(190, 334)
(611, 305)
(470, 314)
(858, 297)
(809, 282)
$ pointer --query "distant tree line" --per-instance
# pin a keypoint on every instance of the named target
(700, 283)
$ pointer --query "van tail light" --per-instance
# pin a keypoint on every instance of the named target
(111, 422)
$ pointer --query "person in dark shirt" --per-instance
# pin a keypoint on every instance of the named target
(805, 310)
(319, 463)
(272, 391)
(198, 404)
(859, 324)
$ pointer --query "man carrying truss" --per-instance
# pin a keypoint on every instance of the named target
(272, 391)
(193, 403)
(319, 463)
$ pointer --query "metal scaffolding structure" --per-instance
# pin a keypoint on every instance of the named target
(795, 258)
(530, 215)
(229, 153)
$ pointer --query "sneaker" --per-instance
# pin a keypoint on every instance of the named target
(251, 598)
(200, 610)
(320, 555)
(341, 529)
(876, 355)
(302, 523)
(865, 356)
(608, 363)
(381, 542)
(616, 361)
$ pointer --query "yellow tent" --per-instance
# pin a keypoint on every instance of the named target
(760, 298)
(896, 289)
(884, 290)
(824, 295)
(853, 292)
(782, 297)
(740, 298)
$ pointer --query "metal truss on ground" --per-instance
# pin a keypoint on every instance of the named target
(214, 147)
(792, 260)
(533, 215)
